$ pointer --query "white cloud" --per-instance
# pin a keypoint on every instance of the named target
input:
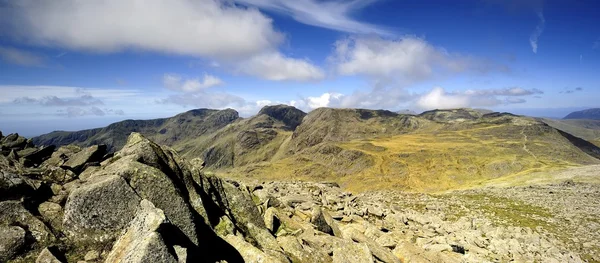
(20, 57)
(437, 98)
(408, 58)
(11, 93)
(535, 35)
(513, 91)
(188, 27)
(332, 14)
(177, 83)
(275, 66)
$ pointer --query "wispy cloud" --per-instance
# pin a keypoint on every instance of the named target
(568, 90)
(332, 14)
(20, 57)
(178, 83)
(539, 29)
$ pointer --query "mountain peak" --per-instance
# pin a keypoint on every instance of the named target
(592, 114)
(289, 115)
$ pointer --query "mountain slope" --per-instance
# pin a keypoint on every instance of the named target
(592, 114)
(586, 129)
(168, 131)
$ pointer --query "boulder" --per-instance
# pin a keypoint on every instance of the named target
(47, 256)
(142, 242)
(77, 161)
(348, 251)
(266, 241)
(382, 254)
(14, 141)
(300, 253)
(60, 156)
(249, 252)
(58, 175)
(99, 209)
(13, 213)
(324, 222)
(12, 241)
(51, 213)
(272, 222)
(37, 156)
(13, 187)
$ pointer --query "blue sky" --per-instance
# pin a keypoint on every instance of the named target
(69, 65)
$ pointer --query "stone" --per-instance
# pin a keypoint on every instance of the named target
(324, 222)
(266, 241)
(99, 209)
(60, 156)
(181, 253)
(12, 241)
(382, 254)
(46, 256)
(58, 175)
(14, 141)
(91, 255)
(295, 200)
(347, 251)
(272, 222)
(52, 213)
(77, 161)
(141, 242)
(13, 213)
(249, 252)
(299, 253)
(13, 186)
(37, 156)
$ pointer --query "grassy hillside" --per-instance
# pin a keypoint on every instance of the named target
(452, 152)
(364, 149)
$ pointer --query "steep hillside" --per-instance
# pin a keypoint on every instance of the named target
(168, 131)
(586, 129)
(591, 114)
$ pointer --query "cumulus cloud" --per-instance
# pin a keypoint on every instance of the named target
(333, 14)
(215, 30)
(438, 98)
(187, 27)
(20, 57)
(275, 66)
(408, 58)
(177, 83)
(535, 35)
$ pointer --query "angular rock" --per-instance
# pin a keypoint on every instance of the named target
(77, 162)
(141, 242)
(382, 254)
(59, 175)
(100, 208)
(299, 253)
(13, 187)
(272, 222)
(348, 251)
(324, 222)
(12, 240)
(60, 156)
(266, 241)
(91, 255)
(37, 156)
(249, 252)
(46, 256)
(52, 213)
(13, 213)
(14, 141)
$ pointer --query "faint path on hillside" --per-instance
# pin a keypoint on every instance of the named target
(525, 140)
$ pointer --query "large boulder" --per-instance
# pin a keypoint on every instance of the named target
(300, 253)
(324, 222)
(13, 213)
(47, 256)
(100, 208)
(249, 252)
(35, 157)
(14, 141)
(142, 242)
(13, 186)
(92, 154)
(12, 241)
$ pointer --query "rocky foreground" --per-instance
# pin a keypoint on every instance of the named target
(146, 204)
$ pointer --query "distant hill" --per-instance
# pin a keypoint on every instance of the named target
(358, 148)
(582, 128)
(591, 114)
(167, 131)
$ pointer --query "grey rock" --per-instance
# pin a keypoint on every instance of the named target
(12, 241)
(347, 251)
(99, 209)
(249, 252)
(324, 222)
(13, 186)
(141, 242)
(51, 213)
(46, 256)
(91, 255)
(77, 161)
(300, 253)
(13, 213)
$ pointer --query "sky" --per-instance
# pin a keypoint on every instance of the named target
(71, 65)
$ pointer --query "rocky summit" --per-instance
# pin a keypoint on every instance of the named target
(145, 203)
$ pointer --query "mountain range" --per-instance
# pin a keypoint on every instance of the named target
(361, 149)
